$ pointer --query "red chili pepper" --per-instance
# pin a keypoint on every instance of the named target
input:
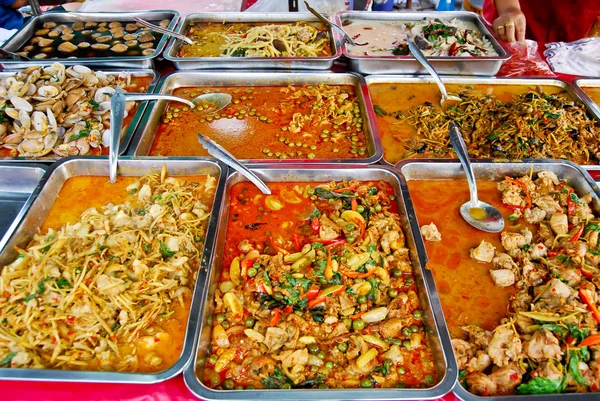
(261, 289)
(576, 236)
(297, 241)
(362, 229)
(315, 224)
(70, 320)
(514, 207)
(356, 316)
(591, 340)
(312, 293)
(586, 273)
(570, 203)
(569, 340)
(277, 248)
(323, 296)
(288, 309)
(332, 242)
(275, 317)
(452, 50)
(587, 299)
(328, 267)
(554, 253)
(358, 274)
(354, 204)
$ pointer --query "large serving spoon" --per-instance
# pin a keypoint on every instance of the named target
(219, 100)
(220, 153)
(479, 214)
(117, 113)
(326, 21)
(13, 56)
(447, 100)
(164, 31)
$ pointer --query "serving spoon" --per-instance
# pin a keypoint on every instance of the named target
(479, 214)
(220, 100)
(164, 31)
(117, 113)
(447, 100)
(220, 153)
(326, 21)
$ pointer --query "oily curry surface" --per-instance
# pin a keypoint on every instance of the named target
(467, 293)
(262, 122)
(497, 121)
(140, 300)
(317, 291)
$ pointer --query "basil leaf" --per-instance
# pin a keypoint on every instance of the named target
(540, 385)
(167, 253)
(379, 111)
(8, 359)
(576, 199)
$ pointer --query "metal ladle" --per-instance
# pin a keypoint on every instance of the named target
(321, 18)
(447, 100)
(220, 100)
(164, 31)
(117, 113)
(479, 214)
(220, 153)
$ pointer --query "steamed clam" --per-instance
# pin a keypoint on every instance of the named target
(59, 110)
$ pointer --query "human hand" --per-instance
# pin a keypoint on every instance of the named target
(510, 25)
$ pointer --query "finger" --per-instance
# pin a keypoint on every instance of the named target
(501, 30)
(509, 31)
(520, 27)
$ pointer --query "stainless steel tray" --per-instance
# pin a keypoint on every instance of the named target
(307, 63)
(144, 137)
(437, 331)
(17, 184)
(489, 81)
(27, 31)
(35, 215)
(129, 130)
(408, 64)
(427, 169)
(579, 84)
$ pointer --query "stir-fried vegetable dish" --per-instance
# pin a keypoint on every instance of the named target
(268, 122)
(317, 291)
(549, 255)
(531, 125)
(435, 37)
(110, 290)
(257, 39)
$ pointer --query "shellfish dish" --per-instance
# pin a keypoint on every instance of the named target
(539, 332)
(85, 39)
(58, 111)
(106, 284)
(317, 290)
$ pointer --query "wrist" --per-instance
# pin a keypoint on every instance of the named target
(505, 7)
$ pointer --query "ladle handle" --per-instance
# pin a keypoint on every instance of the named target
(418, 54)
(458, 143)
(157, 96)
(220, 153)
(117, 113)
(164, 31)
(317, 14)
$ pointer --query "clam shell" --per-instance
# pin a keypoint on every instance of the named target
(21, 104)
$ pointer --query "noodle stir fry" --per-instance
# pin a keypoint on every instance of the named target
(95, 294)
(532, 125)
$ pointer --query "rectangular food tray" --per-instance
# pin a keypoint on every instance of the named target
(129, 130)
(17, 184)
(195, 63)
(427, 169)
(489, 81)
(37, 212)
(436, 327)
(148, 128)
(408, 64)
(579, 84)
(27, 31)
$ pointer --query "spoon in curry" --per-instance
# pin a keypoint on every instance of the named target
(212, 102)
(479, 214)
(447, 100)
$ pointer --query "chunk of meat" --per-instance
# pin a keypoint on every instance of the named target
(275, 338)
(477, 336)
(483, 253)
(556, 293)
(576, 248)
(534, 216)
(328, 230)
(533, 273)
(505, 346)
(503, 277)
(503, 261)
(515, 241)
(548, 204)
(462, 351)
(507, 378)
(430, 232)
(549, 370)
(480, 362)
(538, 252)
(543, 345)
(549, 175)
(559, 222)
(480, 384)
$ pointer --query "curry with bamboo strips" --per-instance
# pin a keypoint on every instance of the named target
(541, 122)
(257, 39)
(269, 122)
(317, 291)
(107, 286)
(548, 258)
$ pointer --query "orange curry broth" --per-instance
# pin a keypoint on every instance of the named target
(291, 229)
(393, 97)
(96, 191)
(246, 136)
(593, 92)
(138, 85)
(466, 290)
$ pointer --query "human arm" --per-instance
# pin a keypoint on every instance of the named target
(510, 24)
(16, 4)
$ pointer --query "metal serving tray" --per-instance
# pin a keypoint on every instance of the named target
(37, 212)
(581, 83)
(428, 169)
(490, 81)
(408, 64)
(26, 32)
(438, 336)
(17, 183)
(307, 63)
(144, 137)
(127, 132)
